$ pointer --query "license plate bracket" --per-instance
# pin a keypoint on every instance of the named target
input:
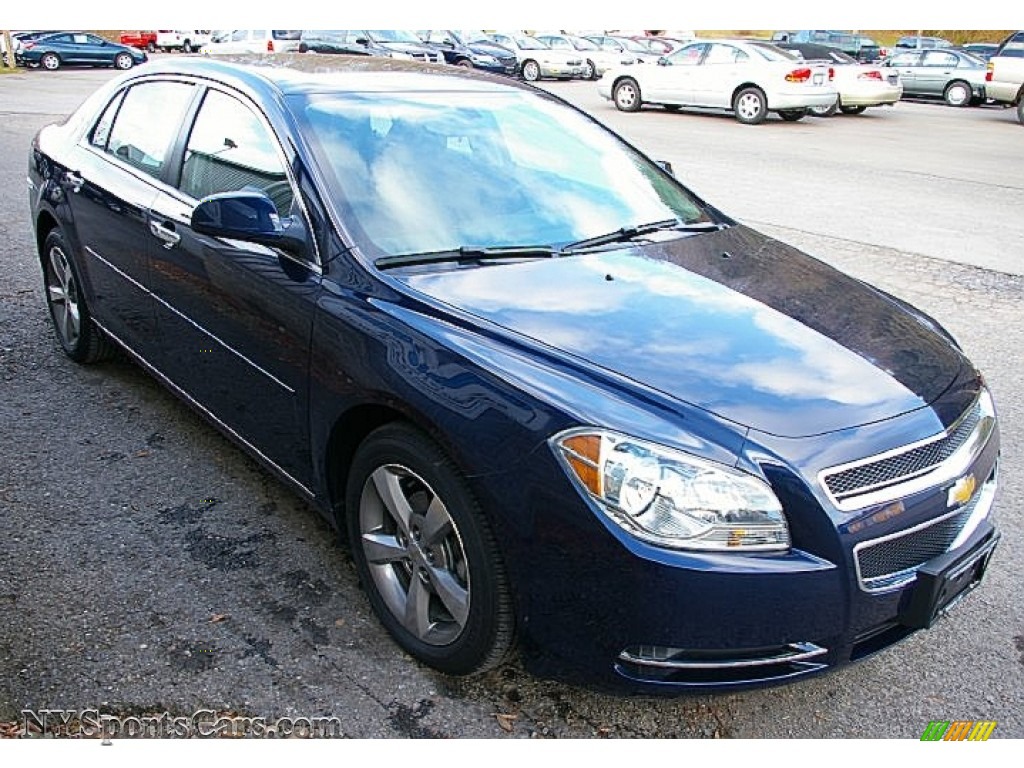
(943, 581)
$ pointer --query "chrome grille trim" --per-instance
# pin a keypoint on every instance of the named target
(793, 652)
(951, 453)
(972, 513)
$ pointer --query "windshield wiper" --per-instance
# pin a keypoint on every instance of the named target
(468, 254)
(628, 233)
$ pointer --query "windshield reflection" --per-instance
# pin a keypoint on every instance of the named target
(417, 172)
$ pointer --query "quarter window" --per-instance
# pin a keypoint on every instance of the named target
(101, 133)
(147, 123)
(231, 149)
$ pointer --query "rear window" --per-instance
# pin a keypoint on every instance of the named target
(287, 34)
(1013, 46)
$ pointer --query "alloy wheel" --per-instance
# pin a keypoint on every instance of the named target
(415, 554)
(62, 295)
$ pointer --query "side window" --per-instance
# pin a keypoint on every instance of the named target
(101, 133)
(688, 56)
(940, 59)
(905, 60)
(721, 54)
(147, 123)
(239, 35)
(230, 149)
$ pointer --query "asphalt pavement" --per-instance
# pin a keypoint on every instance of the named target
(147, 565)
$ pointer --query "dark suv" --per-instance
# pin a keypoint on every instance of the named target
(390, 43)
(463, 51)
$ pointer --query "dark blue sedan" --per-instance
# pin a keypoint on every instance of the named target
(554, 400)
(64, 48)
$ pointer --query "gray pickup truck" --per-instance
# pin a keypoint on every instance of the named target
(1004, 78)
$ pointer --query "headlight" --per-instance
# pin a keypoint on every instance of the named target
(670, 498)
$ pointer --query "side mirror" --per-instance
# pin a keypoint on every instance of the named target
(662, 61)
(362, 41)
(248, 216)
(666, 166)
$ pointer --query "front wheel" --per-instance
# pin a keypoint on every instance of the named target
(123, 61)
(465, 63)
(81, 340)
(151, 47)
(1020, 111)
(626, 95)
(425, 554)
(50, 61)
(751, 106)
(531, 71)
(958, 94)
(792, 115)
(851, 110)
(589, 71)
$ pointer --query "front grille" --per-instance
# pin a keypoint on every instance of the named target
(904, 465)
(894, 557)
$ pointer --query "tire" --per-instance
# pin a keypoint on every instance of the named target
(626, 95)
(151, 47)
(1020, 111)
(50, 61)
(828, 111)
(958, 94)
(465, 63)
(79, 337)
(123, 61)
(418, 533)
(589, 71)
(186, 47)
(792, 115)
(531, 71)
(750, 106)
(851, 110)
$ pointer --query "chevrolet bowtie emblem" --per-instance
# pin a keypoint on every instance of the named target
(961, 492)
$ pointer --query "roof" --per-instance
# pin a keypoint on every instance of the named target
(289, 73)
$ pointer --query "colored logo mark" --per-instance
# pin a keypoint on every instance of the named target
(958, 730)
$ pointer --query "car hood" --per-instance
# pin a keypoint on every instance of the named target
(733, 322)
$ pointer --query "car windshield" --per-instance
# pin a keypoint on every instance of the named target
(432, 171)
(632, 45)
(393, 36)
(473, 36)
(771, 52)
(582, 44)
(529, 43)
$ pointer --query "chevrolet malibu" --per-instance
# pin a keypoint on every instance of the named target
(555, 401)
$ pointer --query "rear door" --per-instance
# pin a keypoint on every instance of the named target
(722, 69)
(110, 192)
(938, 68)
(907, 64)
(671, 82)
(235, 318)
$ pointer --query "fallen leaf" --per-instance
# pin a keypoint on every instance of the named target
(505, 721)
(142, 454)
(219, 617)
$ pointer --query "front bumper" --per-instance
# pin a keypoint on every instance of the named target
(606, 609)
(560, 70)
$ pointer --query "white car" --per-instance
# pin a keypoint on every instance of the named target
(537, 60)
(749, 78)
(184, 40)
(254, 41)
(860, 85)
(596, 60)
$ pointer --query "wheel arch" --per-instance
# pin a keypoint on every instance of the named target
(748, 84)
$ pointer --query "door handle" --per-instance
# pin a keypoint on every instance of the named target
(165, 233)
(76, 181)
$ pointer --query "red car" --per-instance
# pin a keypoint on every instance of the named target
(144, 39)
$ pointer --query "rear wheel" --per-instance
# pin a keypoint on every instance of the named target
(151, 47)
(792, 115)
(50, 61)
(82, 341)
(464, 63)
(851, 110)
(123, 61)
(626, 95)
(828, 111)
(425, 553)
(750, 106)
(186, 47)
(958, 94)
